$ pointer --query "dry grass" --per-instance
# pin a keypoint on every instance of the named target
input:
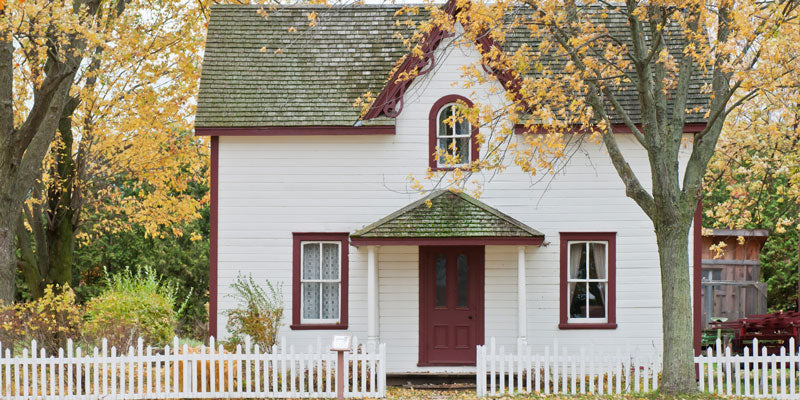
(396, 393)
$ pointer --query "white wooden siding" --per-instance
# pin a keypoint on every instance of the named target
(270, 187)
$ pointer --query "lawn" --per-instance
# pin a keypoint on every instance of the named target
(398, 393)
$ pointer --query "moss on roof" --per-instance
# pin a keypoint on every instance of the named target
(449, 215)
(321, 70)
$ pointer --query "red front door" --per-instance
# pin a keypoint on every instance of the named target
(451, 304)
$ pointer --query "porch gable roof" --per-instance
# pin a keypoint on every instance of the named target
(450, 217)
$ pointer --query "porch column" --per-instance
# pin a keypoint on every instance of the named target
(522, 298)
(372, 296)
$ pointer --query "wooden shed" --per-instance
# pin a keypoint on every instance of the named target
(732, 286)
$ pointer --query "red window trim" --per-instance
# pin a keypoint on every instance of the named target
(297, 238)
(432, 126)
(611, 238)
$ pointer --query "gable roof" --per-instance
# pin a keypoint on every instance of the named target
(450, 215)
(320, 71)
(313, 81)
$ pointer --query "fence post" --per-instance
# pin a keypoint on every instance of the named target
(480, 371)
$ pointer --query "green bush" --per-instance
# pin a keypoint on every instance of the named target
(133, 305)
(258, 314)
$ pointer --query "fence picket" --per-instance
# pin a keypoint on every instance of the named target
(538, 380)
(178, 373)
(792, 362)
(782, 375)
(764, 371)
(546, 370)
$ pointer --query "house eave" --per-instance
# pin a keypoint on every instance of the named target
(321, 130)
(447, 241)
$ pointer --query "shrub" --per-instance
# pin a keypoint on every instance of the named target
(50, 320)
(133, 305)
(258, 314)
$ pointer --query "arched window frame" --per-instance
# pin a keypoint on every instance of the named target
(433, 120)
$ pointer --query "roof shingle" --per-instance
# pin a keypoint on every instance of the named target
(321, 70)
(450, 215)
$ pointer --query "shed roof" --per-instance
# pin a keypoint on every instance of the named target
(321, 70)
(449, 215)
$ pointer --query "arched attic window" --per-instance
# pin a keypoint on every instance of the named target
(454, 140)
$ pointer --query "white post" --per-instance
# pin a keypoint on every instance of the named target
(372, 296)
(522, 306)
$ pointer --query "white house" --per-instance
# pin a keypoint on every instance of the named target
(306, 193)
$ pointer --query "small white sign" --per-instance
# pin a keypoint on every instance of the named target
(341, 343)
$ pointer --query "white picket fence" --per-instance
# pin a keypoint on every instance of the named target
(750, 374)
(596, 372)
(181, 372)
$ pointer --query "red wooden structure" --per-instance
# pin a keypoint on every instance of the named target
(731, 285)
(771, 330)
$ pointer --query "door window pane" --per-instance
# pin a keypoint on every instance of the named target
(441, 280)
(463, 283)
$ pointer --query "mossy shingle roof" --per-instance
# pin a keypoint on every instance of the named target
(450, 215)
(321, 70)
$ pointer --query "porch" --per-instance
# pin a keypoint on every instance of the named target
(436, 256)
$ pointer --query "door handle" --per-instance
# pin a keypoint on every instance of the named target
(470, 317)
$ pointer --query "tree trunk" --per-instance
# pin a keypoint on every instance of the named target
(8, 257)
(60, 234)
(676, 307)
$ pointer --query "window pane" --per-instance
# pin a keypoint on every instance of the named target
(597, 261)
(441, 280)
(330, 301)
(577, 260)
(462, 150)
(311, 300)
(577, 302)
(444, 128)
(597, 300)
(462, 127)
(443, 146)
(330, 261)
(311, 261)
(463, 283)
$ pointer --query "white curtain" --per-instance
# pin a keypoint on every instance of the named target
(330, 300)
(311, 300)
(599, 258)
(599, 255)
(577, 264)
(311, 261)
(330, 261)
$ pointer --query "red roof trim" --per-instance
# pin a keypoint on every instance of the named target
(695, 127)
(390, 100)
(321, 130)
(448, 241)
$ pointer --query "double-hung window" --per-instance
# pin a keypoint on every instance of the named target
(320, 283)
(588, 280)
